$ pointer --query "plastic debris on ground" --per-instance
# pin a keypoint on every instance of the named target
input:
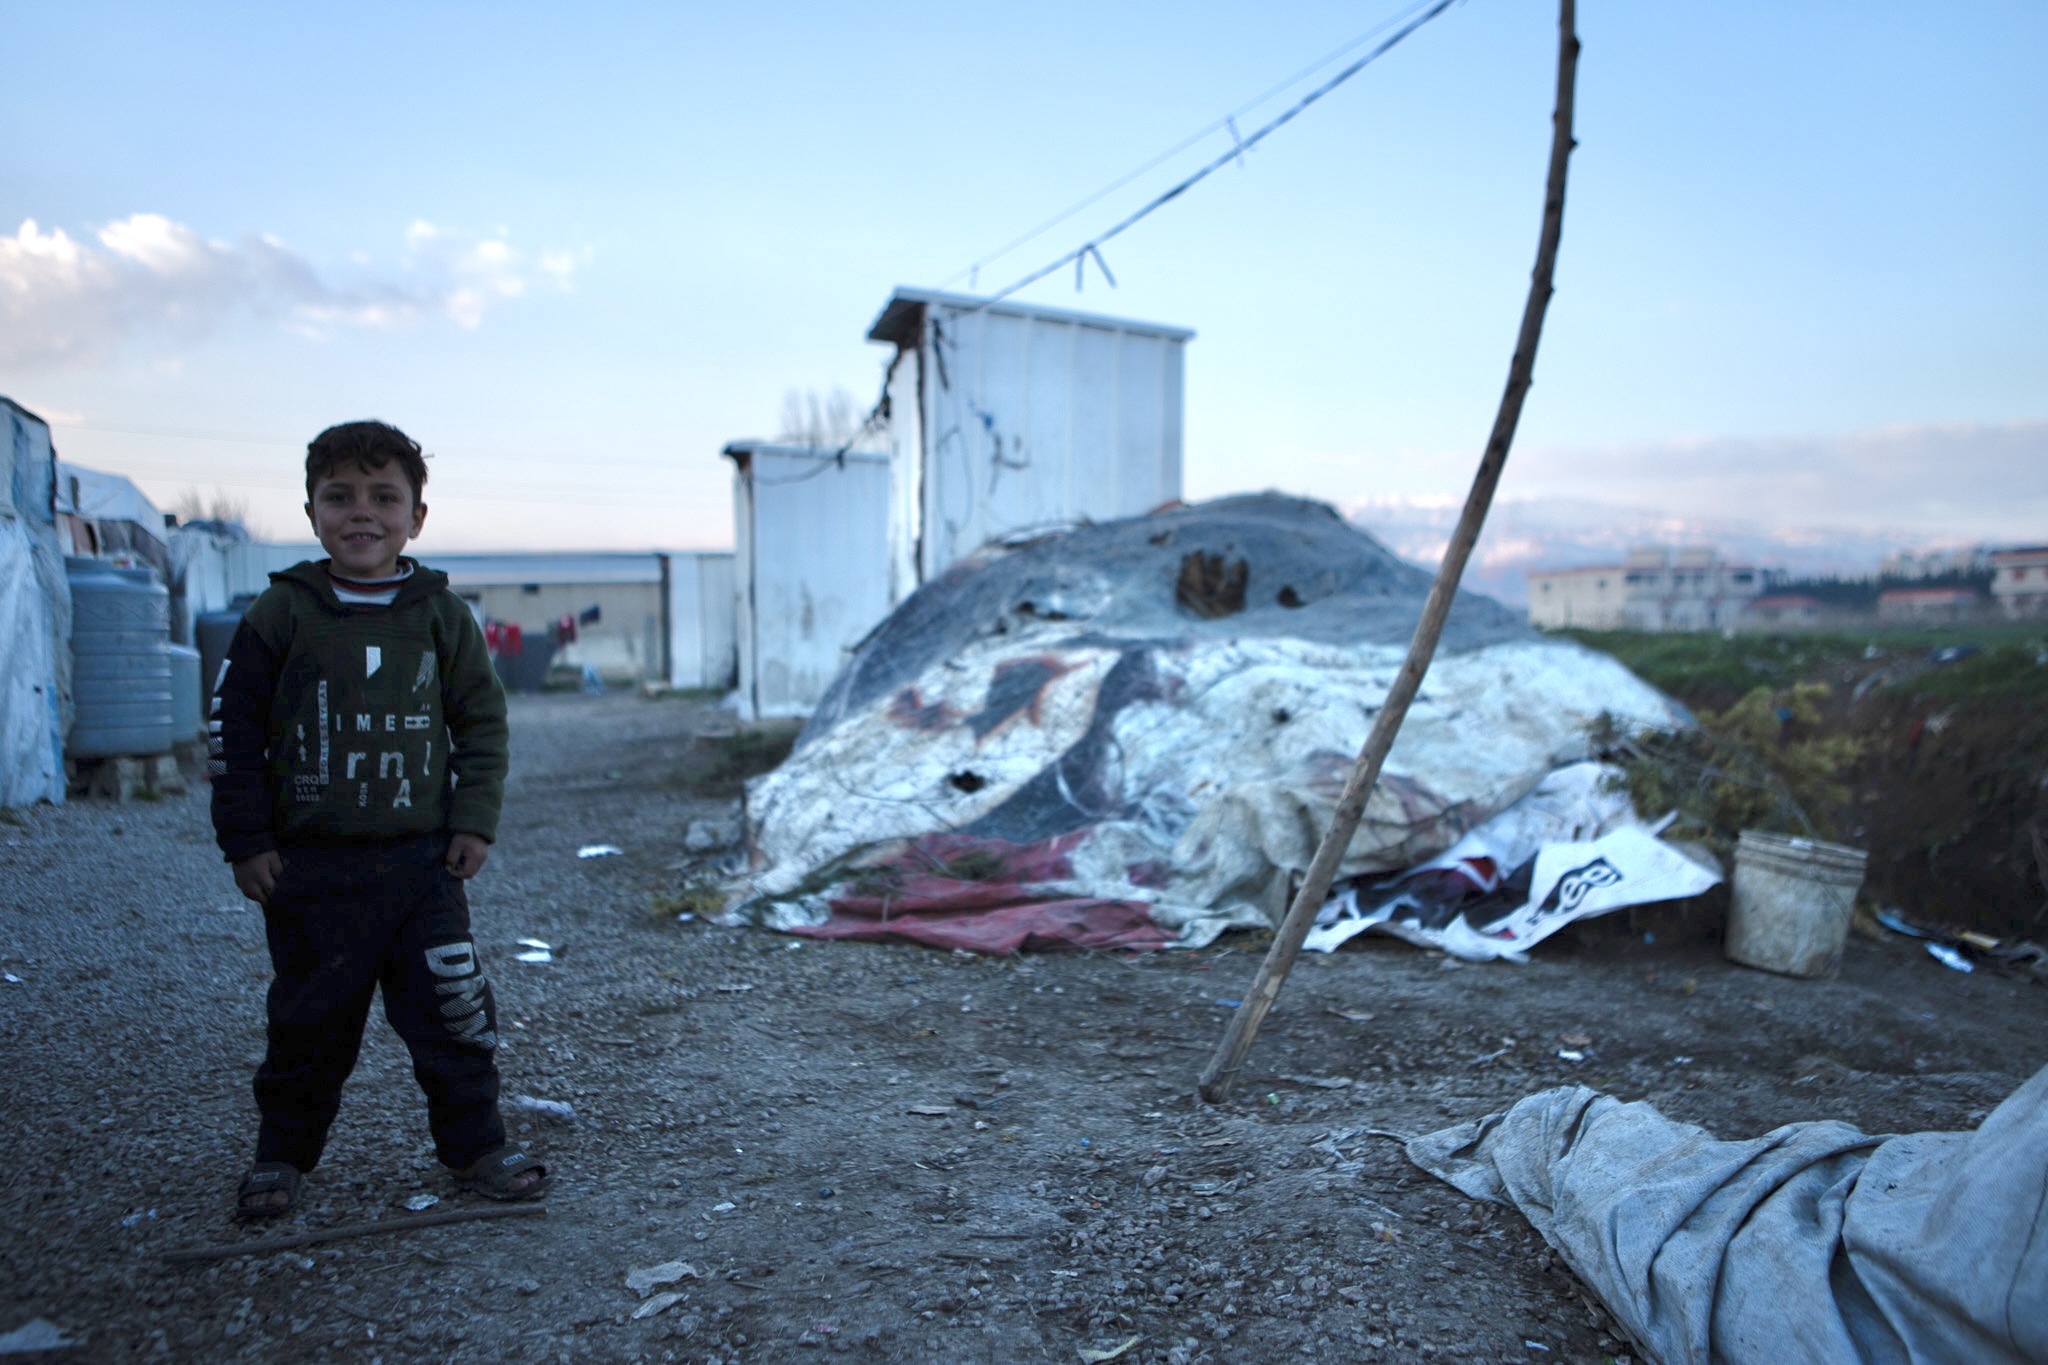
(647, 1279)
(1949, 957)
(420, 1203)
(1570, 849)
(554, 1109)
(1815, 1241)
(599, 851)
(1060, 743)
(659, 1303)
(535, 951)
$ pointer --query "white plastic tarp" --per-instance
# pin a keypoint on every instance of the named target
(1046, 746)
(95, 495)
(1572, 848)
(35, 617)
(1815, 1242)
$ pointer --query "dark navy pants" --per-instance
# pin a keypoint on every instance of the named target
(342, 922)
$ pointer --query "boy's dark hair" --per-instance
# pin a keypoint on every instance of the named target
(371, 445)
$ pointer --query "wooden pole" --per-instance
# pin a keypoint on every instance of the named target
(1221, 1073)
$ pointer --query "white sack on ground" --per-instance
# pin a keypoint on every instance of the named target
(1814, 1242)
(1046, 745)
(1572, 848)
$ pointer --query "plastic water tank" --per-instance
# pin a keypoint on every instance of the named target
(121, 661)
(188, 699)
(213, 632)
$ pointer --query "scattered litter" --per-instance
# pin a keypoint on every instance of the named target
(12, 979)
(1090, 1353)
(931, 1111)
(37, 1334)
(1571, 1054)
(554, 1109)
(649, 1278)
(656, 1305)
(1535, 1346)
(534, 955)
(1681, 1061)
(1892, 920)
(1321, 1082)
(727, 1207)
(1230, 1004)
(735, 987)
(132, 1219)
(685, 917)
(534, 943)
(599, 851)
(793, 945)
(1355, 1016)
(1949, 957)
(420, 1203)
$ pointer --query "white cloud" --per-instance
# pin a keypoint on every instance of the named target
(66, 299)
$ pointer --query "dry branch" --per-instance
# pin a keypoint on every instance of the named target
(306, 1239)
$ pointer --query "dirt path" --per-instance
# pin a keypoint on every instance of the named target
(874, 1151)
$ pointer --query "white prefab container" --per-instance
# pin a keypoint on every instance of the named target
(702, 612)
(1007, 418)
(810, 568)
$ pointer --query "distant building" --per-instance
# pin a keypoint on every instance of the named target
(2019, 581)
(1655, 590)
(1783, 609)
(1588, 599)
(1912, 564)
(1927, 604)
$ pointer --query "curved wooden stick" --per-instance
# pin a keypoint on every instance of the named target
(1221, 1073)
(306, 1239)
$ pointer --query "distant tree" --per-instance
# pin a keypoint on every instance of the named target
(192, 505)
(825, 422)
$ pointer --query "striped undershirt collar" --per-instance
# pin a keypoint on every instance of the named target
(369, 592)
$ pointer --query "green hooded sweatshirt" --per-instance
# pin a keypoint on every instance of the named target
(336, 723)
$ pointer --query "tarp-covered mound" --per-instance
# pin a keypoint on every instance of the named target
(1133, 735)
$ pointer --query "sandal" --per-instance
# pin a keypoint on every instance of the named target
(492, 1174)
(269, 1177)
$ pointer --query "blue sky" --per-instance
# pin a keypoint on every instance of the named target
(574, 253)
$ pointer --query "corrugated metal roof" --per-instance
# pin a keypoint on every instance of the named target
(907, 303)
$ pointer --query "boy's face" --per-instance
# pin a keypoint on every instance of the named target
(364, 517)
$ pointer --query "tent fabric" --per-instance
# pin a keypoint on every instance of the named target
(35, 618)
(93, 495)
(1064, 691)
(1815, 1242)
(1573, 847)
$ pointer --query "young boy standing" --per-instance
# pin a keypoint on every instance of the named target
(358, 758)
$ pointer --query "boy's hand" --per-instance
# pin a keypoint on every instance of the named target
(257, 877)
(466, 854)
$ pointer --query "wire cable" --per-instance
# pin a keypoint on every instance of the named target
(1227, 123)
(1093, 247)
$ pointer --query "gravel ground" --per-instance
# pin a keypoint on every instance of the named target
(876, 1151)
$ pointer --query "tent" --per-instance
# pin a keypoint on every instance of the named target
(35, 616)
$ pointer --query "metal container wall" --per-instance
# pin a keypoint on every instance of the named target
(1008, 419)
(810, 569)
(121, 662)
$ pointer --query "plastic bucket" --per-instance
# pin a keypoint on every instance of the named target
(1791, 903)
